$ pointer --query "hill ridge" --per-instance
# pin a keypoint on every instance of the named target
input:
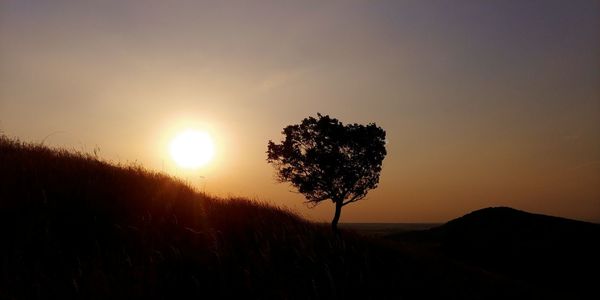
(73, 226)
(552, 253)
(504, 211)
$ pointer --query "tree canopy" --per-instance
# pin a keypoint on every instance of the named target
(325, 159)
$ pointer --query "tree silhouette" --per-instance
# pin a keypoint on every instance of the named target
(325, 159)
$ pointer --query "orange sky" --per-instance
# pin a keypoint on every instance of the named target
(485, 104)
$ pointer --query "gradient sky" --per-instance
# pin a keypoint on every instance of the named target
(486, 103)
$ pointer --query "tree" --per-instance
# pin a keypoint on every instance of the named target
(325, 159)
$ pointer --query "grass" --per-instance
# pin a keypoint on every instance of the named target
(72, 225)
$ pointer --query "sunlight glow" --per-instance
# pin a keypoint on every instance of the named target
(192, 149)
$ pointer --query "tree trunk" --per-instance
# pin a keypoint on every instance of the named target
(336, 217)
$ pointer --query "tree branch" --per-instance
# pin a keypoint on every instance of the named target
(354, 199)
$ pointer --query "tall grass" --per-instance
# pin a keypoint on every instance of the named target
(72, 225)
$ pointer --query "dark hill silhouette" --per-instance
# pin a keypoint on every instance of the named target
(556, 255)
(73, 226)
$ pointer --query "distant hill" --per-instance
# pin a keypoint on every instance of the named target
(74, 226)
(553, 254)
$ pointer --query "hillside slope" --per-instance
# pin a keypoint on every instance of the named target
(72, 225)
(556, 255)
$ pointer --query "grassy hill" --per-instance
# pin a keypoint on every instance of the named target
(72, 225)
(557, 256)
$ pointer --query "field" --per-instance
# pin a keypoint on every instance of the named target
(74, 226)
(385, 229)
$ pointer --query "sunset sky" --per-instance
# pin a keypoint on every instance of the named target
(485, 103)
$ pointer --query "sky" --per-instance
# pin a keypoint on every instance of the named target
(485, 103)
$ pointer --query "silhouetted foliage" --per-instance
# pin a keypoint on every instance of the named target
(325, 159)
(73, 226)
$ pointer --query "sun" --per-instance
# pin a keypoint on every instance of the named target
(192, 149)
